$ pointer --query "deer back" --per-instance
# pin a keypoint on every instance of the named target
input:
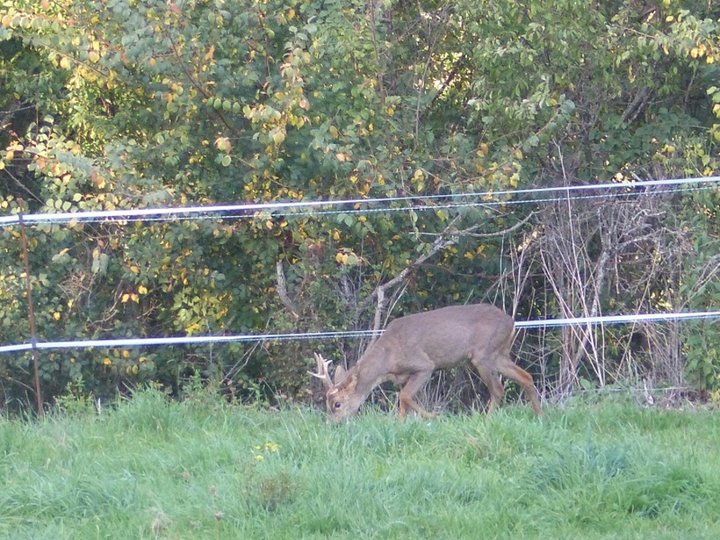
(445, 336)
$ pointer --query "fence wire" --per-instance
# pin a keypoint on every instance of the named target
(356, 206)
(206, 340)
(487, 199)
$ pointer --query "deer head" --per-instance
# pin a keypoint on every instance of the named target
(412, 347)
(340, 394)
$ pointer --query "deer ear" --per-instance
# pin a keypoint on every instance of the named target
(340, 374)
(350, 382)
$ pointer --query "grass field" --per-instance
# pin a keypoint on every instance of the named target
(151, 468)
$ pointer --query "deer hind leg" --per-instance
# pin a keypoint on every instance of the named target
(492, 381)
(514, 372)
(407, 393)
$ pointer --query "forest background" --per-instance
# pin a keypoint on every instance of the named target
(110, 104)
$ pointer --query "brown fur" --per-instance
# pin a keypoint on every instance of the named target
(412, 347)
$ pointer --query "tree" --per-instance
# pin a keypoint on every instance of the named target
(135, 103)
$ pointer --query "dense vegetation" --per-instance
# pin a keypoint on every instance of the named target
(153, 468)
(142, 103)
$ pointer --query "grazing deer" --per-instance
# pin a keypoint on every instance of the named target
(412, 347)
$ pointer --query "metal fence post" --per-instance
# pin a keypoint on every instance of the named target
(31, 319)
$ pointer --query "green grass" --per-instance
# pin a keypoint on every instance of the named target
(151, 468)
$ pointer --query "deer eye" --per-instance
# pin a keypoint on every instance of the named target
(337, 404)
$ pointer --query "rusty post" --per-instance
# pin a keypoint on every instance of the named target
(31, 318)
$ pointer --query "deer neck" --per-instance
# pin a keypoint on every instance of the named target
(371, 369)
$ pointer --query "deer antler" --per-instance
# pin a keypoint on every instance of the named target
(322, 372)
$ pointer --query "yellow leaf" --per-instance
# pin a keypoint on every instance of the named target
(135, 269)
(107, 361)
(65, 62)
(142, 289)
(94, 57)
(278, 136)
(135, 297)
(223, 144)
(124, 298)
(7, 21)
(57, 315)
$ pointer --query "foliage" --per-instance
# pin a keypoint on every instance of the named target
(143, 103)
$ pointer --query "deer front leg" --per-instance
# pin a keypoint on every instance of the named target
(414, 383)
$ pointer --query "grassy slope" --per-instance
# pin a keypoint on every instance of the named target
(200, 469)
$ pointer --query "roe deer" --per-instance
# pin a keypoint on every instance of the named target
(412, 347)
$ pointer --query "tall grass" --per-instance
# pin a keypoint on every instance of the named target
(152, 468)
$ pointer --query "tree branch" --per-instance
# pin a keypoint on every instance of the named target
(283, 292)
(446, 238)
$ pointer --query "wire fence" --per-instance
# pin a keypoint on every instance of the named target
(366, 205)
(207, 340)
(371, 205)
